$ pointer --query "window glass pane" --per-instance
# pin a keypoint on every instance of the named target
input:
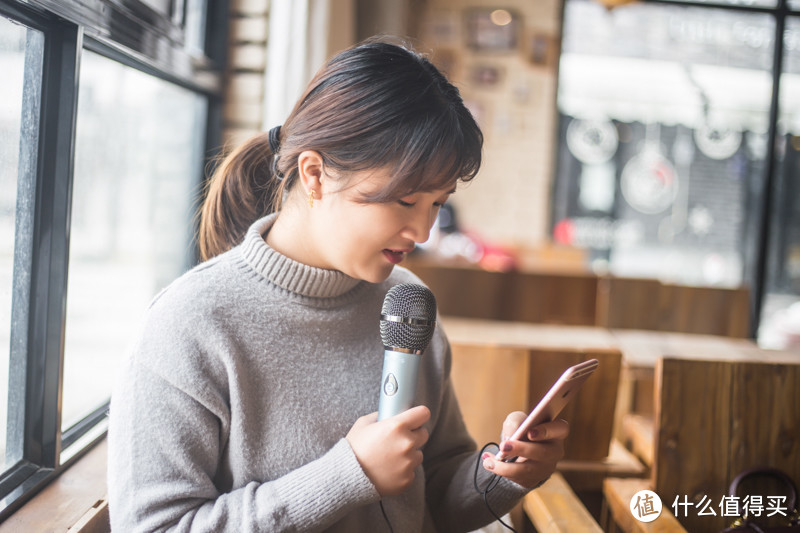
(138, 162)
(659, 159)
(780, 315)
(20, 62)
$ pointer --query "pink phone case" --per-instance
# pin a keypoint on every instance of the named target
(554, 401)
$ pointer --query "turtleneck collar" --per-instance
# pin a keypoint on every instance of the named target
(287, 273)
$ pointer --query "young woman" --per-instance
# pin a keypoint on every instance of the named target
(248, 402)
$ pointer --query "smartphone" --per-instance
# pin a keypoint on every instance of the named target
(553, 402)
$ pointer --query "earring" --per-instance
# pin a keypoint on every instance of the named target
(311, 198)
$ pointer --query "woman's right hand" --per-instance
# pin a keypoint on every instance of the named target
(389, 450)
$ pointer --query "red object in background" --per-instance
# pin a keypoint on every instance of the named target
(564, 231)
(493, 257)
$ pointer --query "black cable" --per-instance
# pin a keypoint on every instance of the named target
(494, 479)
(386, 517)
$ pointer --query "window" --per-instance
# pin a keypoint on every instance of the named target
(21, 62)
(781, 313)
(107, 118)
(666, 115)
(136, 176)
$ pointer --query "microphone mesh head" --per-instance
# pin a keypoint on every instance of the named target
(408, 301)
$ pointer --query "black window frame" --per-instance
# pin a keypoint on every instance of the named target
(137, 36)
(766, 225)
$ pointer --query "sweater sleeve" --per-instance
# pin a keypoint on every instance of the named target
(164, 452)
(450, 459)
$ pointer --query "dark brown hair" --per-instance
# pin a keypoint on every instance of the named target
(376, 105)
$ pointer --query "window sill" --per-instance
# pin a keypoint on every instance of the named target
(74, 502)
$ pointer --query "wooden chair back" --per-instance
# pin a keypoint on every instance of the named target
(716, 418)
(491, 381)
(649, 304)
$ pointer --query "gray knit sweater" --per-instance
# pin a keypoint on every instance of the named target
(231, 412)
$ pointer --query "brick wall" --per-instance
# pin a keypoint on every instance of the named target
(244, 80)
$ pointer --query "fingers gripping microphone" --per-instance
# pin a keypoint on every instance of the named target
(408, 319)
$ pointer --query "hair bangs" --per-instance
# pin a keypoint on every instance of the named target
(434, 153)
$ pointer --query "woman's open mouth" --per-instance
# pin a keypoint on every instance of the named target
(394, 256)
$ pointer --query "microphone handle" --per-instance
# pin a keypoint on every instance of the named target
(398, 383)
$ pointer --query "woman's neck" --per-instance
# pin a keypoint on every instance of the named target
(291, 236)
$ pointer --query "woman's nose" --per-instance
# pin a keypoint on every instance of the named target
(419, 227)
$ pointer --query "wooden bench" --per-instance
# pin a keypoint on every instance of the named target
(640, 352)
(714, 418)
(649, 304)
(617, 516)
(534, 296)
(495, 355)
(555, 508)
(578, 297)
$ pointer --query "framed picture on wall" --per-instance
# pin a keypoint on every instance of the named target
(495, 30)
(542, 50)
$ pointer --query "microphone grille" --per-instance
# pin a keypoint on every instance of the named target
(404, 305)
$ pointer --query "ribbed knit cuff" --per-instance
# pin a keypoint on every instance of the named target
(505, 495)
(322, 491)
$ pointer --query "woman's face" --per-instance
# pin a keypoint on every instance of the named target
(366, 240)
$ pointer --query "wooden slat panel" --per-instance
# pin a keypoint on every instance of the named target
(707, 310)
(617, 494)
(591, 412)
(765, 402)
(554, 508)
(715, 419)
(638, 431)
(589, 475)
(490, 382)
(693, 418)
(464, 291)
(629, 303)
(551, 298)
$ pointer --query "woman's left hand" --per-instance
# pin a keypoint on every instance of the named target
(536, 459)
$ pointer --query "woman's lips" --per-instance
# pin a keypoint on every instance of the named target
(394, 256)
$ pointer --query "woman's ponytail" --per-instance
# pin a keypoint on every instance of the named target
(241, 190)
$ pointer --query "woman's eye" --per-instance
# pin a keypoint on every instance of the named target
(405, 204)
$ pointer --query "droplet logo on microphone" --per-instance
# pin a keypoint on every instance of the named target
(390, 385)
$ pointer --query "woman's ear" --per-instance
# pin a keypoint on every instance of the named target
(310, 171)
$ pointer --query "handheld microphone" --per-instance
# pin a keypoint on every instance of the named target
(408, 319)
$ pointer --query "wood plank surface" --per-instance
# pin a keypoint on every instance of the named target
(527, 335)
(555, 508)
(639, 434)
(617, 494)
(550, 298)
(765, 410)
(589, 475)
(715, 419)
(693, 433)
(65, 500)
(490, 382)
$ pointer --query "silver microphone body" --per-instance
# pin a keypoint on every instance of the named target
(398, 382)
(408, 320)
